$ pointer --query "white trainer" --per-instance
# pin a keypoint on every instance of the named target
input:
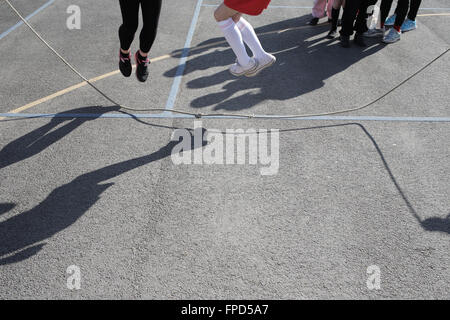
(237, 70)
(262, 64)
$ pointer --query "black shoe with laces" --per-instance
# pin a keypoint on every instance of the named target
(332, 34)
(125, 64)
(141, 67)
(313, 21)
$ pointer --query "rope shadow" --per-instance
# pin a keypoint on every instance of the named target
(66, 204)
(433, 224)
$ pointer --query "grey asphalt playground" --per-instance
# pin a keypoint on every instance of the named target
(97, 189)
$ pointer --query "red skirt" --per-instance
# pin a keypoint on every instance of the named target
(251, 7)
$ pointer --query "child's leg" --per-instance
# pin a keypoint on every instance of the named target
(402, 11)
(385, 7)
(329, 8)
(413, 9)
(335, 11)
(361, 19)
(410, 23)
(250, 38)
(130, 17)
(349, 16)
(263, 59)
(150, 13)
(223, 16)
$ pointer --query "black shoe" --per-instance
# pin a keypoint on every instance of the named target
(141, 67)
(313, 21)
(345, 41)
(359, 40)
(125, 64)
(332, 34)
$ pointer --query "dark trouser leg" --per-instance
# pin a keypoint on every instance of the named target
(151, 10)
(348, 18)
(402, 11)
(384, 10)
(413, 9)
(130, 17)
(334, 18)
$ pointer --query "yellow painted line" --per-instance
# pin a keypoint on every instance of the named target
(72, 88)
(164, 57)
(160, 58)
(75, 87)
(47, 98)
(82, 84)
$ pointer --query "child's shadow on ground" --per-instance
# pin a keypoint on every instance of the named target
(303, 65)
(436, 224)
(22, 235)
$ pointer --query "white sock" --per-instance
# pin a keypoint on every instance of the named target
(251, 39)
(234, 38)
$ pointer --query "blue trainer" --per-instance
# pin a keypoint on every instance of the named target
(392, 36)
(409, 25)
(390, 21)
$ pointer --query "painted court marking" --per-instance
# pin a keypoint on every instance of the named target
(179, 73)
(182, 64)
(14, 27)
(177, 116)
(116, 72)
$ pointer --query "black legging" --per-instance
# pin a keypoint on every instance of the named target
(355, 16)
(130, 15)
(401, 11)
(413, 9)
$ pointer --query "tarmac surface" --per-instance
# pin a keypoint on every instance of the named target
(99, 189)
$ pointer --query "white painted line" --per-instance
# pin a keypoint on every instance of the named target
(14, 27)
(182, 64)
(168, 115)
